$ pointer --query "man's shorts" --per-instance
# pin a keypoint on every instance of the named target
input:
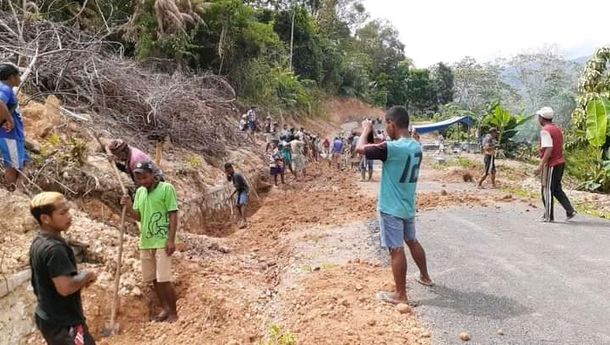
(156, 265)
(242, 198)
(490, 164)
(64, 335)
(366, 164)
(252, 125)
(13, 153)
(395, 231)
(276, 171)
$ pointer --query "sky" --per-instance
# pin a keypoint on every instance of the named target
(447, 30)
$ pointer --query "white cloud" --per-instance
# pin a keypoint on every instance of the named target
(447, 30)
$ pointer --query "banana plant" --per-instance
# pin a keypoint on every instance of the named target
(500, 118)
(596, 121)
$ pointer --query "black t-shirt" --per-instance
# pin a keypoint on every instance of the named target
(50, 257)
(239, 182)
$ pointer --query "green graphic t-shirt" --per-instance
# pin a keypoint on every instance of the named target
(154, 208)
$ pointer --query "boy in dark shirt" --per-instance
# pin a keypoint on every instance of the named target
(242, 190)
(55, 278)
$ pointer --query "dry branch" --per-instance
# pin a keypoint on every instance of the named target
(87, 72)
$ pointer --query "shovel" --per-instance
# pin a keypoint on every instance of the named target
(112, 328)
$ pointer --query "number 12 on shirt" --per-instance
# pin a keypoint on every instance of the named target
(411, 171)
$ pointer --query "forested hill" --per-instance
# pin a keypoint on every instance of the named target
(288, 55)
(337, 48)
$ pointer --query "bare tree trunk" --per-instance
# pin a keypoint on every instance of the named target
(221, 51)
(292, 36)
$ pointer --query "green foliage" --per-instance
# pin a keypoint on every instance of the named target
(278, 336)
(588, 139)
(504, 121)
(597, 122)
(194, 162)
(465, 163)
(584, 166)
(336, 49)
(443, 78)
(591, 210)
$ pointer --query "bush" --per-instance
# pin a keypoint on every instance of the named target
(582, 164)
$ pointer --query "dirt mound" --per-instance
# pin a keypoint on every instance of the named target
(433, 200)
(338, 306)
(458, 174)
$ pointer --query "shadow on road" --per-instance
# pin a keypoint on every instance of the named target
(475, 303)
(592, 223)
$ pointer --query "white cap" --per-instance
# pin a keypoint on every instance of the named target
(546, 113)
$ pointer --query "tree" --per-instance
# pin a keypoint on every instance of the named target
(443, 78)
(421, 92)
(544, 79)
(379, 39)
(478, 85)
(307, 54)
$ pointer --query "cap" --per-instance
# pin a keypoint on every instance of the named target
(493, 129)
(546, 113)
(142, 167)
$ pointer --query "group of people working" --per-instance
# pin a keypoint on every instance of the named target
(57, 282)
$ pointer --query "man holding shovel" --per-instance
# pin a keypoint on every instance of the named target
(552, 165)
(490, 144)
(156, 206)
(241, 190)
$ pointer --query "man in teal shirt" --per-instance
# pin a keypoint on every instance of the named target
(155, 205)
(402, 157)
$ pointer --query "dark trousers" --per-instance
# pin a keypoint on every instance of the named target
(64, 335)
(551, 188)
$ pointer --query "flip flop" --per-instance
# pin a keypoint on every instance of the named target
(387, 298)
(425, 283)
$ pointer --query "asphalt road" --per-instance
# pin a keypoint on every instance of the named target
(502, 269)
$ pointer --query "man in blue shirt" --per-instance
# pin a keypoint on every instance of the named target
(12, 137)
(402, 157)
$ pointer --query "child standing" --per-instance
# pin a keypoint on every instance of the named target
(156, 206)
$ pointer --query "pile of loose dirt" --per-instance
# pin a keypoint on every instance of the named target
(225, 285)
(338, 306)
(457, 174)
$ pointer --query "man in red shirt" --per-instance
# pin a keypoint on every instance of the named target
(552, 165)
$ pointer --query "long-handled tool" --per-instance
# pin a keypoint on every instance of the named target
(113, 328)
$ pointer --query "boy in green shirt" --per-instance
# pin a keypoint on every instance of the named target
(155, 205)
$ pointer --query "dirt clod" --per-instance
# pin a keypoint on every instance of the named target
(403, 308)
(465, 336)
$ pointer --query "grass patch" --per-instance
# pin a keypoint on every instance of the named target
(520, 192)
(591, 210)
(277, 335)
(464, 163)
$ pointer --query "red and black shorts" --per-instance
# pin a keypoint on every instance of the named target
(64, 335)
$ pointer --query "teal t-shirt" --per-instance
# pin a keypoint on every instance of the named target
(154, 208)
(401, 161)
